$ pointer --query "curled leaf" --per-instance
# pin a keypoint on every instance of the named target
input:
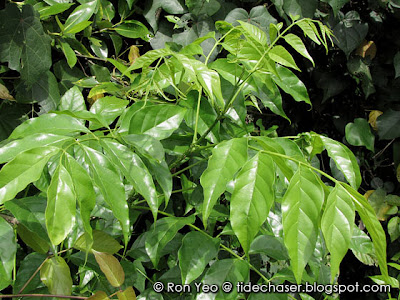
(133, 54)
(5, 94)
(373, 115)
(367, 48)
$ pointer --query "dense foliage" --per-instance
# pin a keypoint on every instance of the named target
(194, 142)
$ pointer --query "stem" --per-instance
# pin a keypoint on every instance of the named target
(42, 295)
(216, 45)
(197, 117)
(188, 167)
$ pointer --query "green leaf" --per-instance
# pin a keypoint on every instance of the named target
(291, 84)
(72, 100)
(54, 9)
(8, 251)
(133, 29)
(27, 267)
(232, 270)
(252, 198)
(280, 55)
(24, 45)
(25, 168)
(359, 134)
(85, 194)
(161, 172)
(303, 8)
(196, 252)
(198, 8)
(13, 148)
(107, 179)
(394, 228)
(102, 242)
(69, 54)
(373, 226)
(344, 159)
(153, 8)
(80, 14)
(111, 267)
(254, 32)
(336, 5)
(135, 171)
(49, 123)
(158, 121)
(301, 209)
(269, 245)
(99, 295)
(396, 64)
(298, 45)
(337, 225)
(61, 206)
(162, 232)
(108, 108)
(55, 274)
(388, 125)
(227, 157)
(146, 146)
(128, 294)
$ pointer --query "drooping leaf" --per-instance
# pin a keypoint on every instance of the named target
(55, 274)
(252, 198)
(337, 225)
(298, 45)
(132, 29)
(291, 84)
(33, 240)
(158, 121)
(72, 100)
(111, 268)
(24, 45)
(49, 123)
(106, 177)
(227, 157)
(127, 294)
(61, 205)
(196, 252)
(134, 171)
(280, 55)
(99, 295)
(102, 242)
(359, 134)
(162, 232)
(25, 168)
(28, 266)
(301, 209)
(8, 249)
(344, 159)
(146, 145)
(153, 8)
(388, 125)
(337, 5)
(77, 20)
(269, 245)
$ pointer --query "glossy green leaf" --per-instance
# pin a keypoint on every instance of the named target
(232, 270)
(337, 225)
(49, 123)
(107, 179)
(8, 250)
(309, 30)
(280, 55)
(291, 84)
(133, 29)
(162, 232)
(69, 54)
(24, 45)
(127, 294)
(61, 206)
(254, 32)
(55, 274)
(154, 6)
(99, 295)
(25, 168)
(27, 267)
(54, 9)
(80, 14)
(252, 198)
(111, 267)
(394, 228)
(298, 45)
(337, 5)
(373, 226)
(196, 252)
(158, 121)
(227, 157)
(344, 159)
(85, 194)
(161, 172)
(13, 148)
(33, 240)
(72, 100)
(146, 145)
(135, 171)
(388, 125)
(102, 242)
(359, 134)
(301, 210)
(108, 108)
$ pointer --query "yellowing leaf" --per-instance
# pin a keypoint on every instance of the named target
(367, 48)
(373, 115)
(111, 267)
(133, 54)
(368, 193)
(94, 98)
(5, 94)
(128, 294)
(99, 295)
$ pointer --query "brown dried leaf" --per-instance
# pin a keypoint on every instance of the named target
(367, 48)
